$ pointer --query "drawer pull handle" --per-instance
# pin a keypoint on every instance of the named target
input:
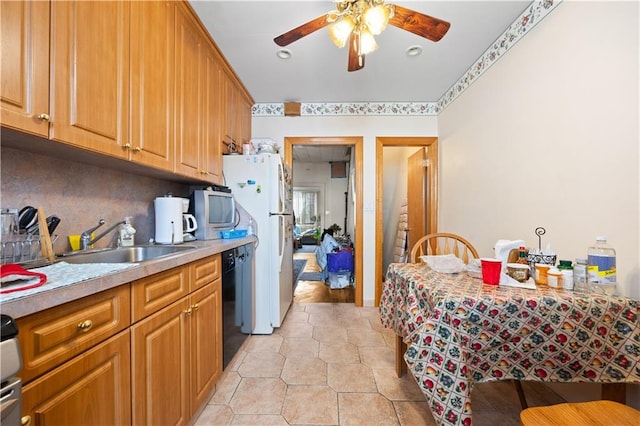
(188, 311)
(85, 325)
(25, 420)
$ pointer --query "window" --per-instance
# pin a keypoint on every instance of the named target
(305, 207)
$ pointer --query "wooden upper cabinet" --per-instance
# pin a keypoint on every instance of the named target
(229, 96)
(244, 119)
(236, 114)
(211, 117)
(24, 65)
(90, 75)
(152, 77)
(188, 47)
(197, 79)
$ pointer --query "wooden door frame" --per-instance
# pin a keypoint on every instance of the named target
(357, 143)
(432, 212)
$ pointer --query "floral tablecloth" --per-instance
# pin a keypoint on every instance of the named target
(460, 332)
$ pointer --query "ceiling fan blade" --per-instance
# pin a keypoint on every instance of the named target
(423, 25)
(356, 62)
(301, 31)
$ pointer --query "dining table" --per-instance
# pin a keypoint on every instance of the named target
(459, 331)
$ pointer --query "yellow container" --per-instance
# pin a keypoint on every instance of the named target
(74, 241)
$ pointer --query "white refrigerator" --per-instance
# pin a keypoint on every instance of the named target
(262, 186)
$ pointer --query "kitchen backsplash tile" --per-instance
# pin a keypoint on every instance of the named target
(81, 194)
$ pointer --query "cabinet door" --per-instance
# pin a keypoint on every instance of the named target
(243, 112)
(24, 67)
(90, 75)
(160, 367)
(187, 59)
(211, 116)
(206, 342)
(229, 95)
(93, 387)
(152, 38)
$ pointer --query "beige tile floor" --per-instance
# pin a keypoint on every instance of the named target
(333, 364)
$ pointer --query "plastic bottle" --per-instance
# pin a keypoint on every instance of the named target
(601, 267)
(580, 282)
(567, 274)
(126, 233)
(250, 230)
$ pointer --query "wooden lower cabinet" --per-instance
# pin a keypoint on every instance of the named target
(91, 389)
(177, 358)
(206, 342)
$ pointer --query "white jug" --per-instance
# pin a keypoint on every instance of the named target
(169, 220)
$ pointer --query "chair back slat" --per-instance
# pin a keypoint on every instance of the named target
(442, 243)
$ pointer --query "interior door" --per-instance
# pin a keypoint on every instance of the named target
(416, 202)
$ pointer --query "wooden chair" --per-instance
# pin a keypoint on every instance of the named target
(581, 413)
(438, 244)
(443, 243)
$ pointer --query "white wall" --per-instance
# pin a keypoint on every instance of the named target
(369, 127)
(549, 137)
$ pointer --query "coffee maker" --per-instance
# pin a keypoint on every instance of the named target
(189, 224)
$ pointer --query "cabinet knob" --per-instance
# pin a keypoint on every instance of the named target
(127, 146)
(188, 311)
(44, 117)
(137, 149)
(25, 420)
(196, 307)
(85, 325)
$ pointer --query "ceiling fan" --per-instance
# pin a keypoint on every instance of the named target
(357, 21)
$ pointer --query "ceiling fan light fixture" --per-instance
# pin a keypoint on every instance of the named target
(367, 42)
(376, 18)
(340, 30)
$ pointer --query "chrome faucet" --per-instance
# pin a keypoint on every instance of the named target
(85, 237)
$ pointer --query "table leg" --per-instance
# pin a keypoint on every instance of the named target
(616, 392)
(401, 348)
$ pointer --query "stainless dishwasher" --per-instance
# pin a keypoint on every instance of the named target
(237, 299)
(10, 364)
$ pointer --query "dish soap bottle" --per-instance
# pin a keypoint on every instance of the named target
(250, 230)
(126, 233)
(601, 267)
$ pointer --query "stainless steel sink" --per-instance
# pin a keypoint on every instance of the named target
(134, 254)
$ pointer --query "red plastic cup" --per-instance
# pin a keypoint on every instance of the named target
(491, 270)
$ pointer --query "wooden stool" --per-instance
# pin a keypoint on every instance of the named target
(581, 414)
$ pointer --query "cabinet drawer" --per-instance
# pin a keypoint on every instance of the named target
(204, 271)
(150, 294)
(51, 337)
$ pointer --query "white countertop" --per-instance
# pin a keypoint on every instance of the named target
(67, 282)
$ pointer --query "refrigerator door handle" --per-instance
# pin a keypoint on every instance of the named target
(280, 214)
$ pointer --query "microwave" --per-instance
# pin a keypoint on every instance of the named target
(215, 211)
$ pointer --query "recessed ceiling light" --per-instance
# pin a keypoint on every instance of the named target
(414, 50)
(283, 53)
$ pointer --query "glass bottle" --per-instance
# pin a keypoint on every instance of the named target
(601, 270)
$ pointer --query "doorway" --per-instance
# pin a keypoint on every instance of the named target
(357, 144)
(431, 201)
